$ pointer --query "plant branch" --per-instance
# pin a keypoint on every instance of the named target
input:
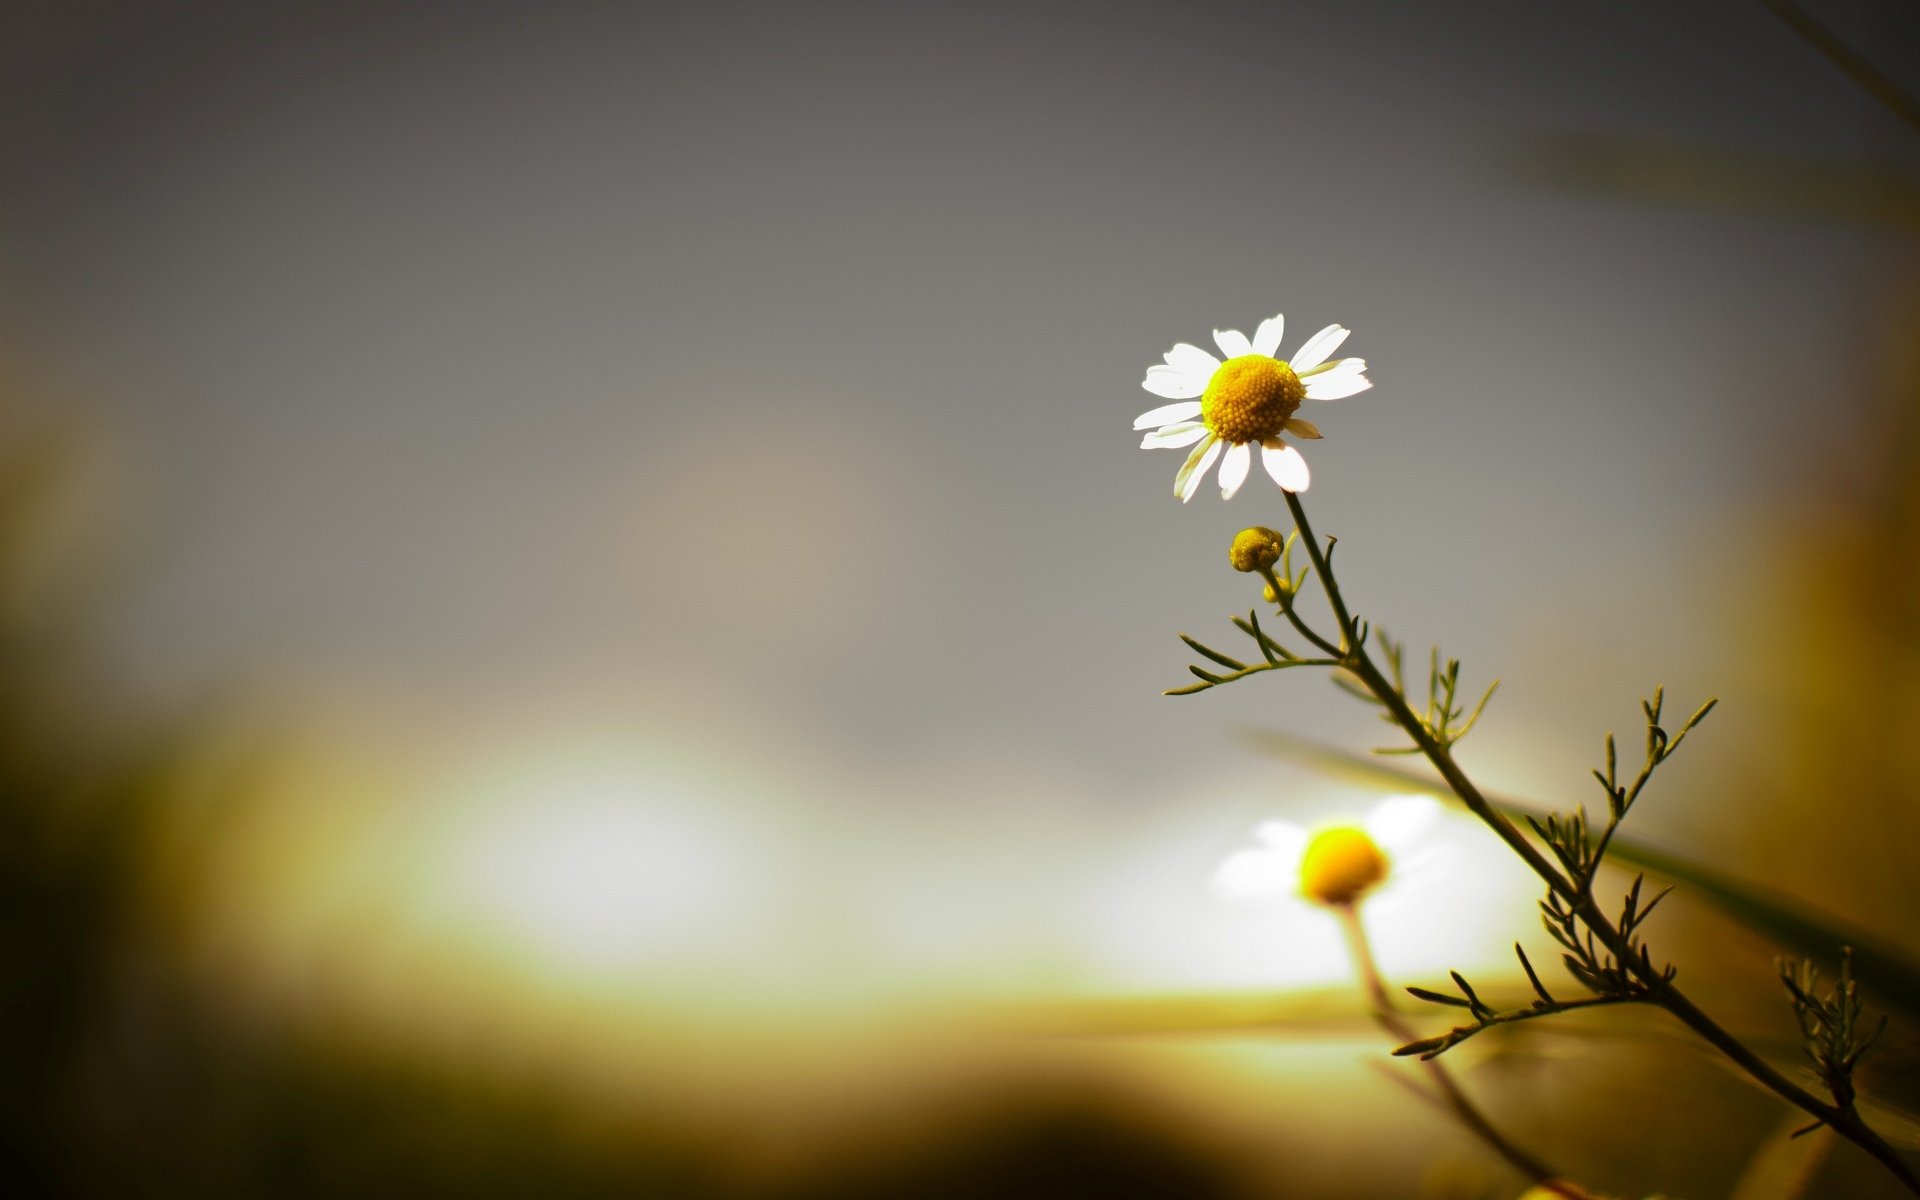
(1432, 1047)
(1469, 1114)
(1656, 984)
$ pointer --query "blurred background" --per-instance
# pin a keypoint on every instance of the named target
(581, 615)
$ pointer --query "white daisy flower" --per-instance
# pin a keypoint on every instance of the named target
(1333, 864)
(1245, 401)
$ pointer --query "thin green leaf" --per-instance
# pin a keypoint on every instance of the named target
(1479, 708)
(1533, 977)
(1232, 664)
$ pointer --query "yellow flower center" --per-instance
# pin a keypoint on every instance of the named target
(1341, 865)
(1250, 398)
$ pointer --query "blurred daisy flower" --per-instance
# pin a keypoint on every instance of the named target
(1335, 864)
(1224, 409)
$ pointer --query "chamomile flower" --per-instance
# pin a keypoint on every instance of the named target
(1333, 864)
(1224, 409)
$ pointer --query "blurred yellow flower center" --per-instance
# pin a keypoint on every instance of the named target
(1250, 398)
(1341, 864)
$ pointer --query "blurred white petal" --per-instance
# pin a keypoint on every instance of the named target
(1255, 875)
(1421, 866)
(1402, 827)
(1399, 822)
(1283, 837)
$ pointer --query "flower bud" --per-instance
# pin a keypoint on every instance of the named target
(1255, 549)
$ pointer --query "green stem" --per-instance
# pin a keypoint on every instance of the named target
(1660, 990)
(1470, 1115)
(1300, 626)
(1321, 568)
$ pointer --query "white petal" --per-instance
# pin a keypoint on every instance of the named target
(1173, 383)
(1286, 466)
(1338, 366)
(1399, 822)
(1233, 469)
(1193, 360)
(1266, 339)
(1425, 863)
(1300, 427)
(1232, 342)
(1284, 837)
(1183, 434)
(1167, 414)
(1319, 347)
(1338, 387)
(1255, 875)
(1187, 480)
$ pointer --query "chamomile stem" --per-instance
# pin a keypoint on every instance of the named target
(1469, 1114)
(1845, 1120)
(1661, 990)
(1321, 568)
(1357, 660)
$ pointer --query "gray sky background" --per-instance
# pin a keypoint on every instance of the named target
(772, 366)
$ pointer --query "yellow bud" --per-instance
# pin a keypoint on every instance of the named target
(1341, 865)
(1255, 549)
